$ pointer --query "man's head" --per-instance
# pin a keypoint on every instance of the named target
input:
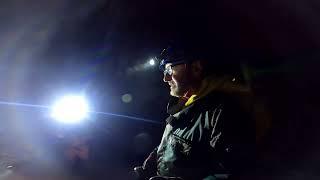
(184, 78)
(182, 71)
(185, 65)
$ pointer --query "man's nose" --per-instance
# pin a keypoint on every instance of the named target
(166, 77)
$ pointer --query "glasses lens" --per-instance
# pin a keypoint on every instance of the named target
(168, 71)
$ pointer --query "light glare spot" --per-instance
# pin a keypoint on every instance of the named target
(152, 62)
(127, 98)
(70, 109)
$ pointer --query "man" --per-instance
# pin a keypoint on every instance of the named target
(208, 134)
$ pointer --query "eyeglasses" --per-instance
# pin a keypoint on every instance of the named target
(168, 71)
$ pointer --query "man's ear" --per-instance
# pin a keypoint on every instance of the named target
(197, 68)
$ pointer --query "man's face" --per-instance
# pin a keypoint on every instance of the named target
(178, 80)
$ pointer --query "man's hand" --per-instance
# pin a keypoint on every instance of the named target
(149, 167)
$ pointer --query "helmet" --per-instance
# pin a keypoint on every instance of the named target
(170, 55)
(214, 61)
(175, 54)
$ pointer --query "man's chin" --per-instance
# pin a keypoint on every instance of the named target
(175, 94)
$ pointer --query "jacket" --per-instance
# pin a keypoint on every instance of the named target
(213, 136)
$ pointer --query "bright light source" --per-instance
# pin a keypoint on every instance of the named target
(70, 109)
(152, 62)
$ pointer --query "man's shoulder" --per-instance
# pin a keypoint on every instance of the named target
(208, 104)
(211, 102)
(231, 106)
(215, 99)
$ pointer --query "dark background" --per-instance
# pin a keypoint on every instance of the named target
(98, 47)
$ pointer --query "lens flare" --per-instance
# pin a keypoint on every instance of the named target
(152, 62)
(70, 109)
